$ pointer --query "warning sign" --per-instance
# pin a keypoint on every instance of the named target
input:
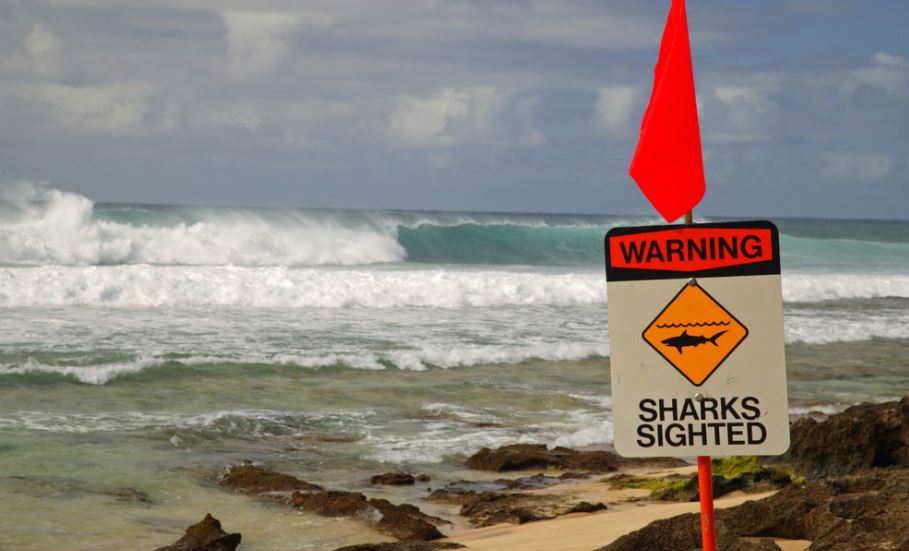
(694, 333)
(696, 340)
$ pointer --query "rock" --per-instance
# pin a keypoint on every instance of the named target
(762, 544)
(403, 546)
(519, 457)
(491, 502)
(249, 479)
(862, 511)
(206, 535)
(862, 437)
(585, 507)
(682, 532)
(423, 478)
(331, 503)
(462, 490)
(404, 522)
(491, 508)
(122, 493)
(393, 478)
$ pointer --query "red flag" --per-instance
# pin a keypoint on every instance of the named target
(667, 163)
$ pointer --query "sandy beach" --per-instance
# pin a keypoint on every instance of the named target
(588, 531)
(585, 532)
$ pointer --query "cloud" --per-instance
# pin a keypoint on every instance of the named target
(844, 165)
(844, 102)
(117, 109)
(480, 116)
(257, 43)
(44, 50)
(886, 71)
(612, 114)
(230, 116)
(325, 94)
(740, 114)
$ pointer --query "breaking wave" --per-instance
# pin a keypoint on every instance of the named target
(45, 226)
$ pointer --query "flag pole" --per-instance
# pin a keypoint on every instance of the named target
(705, 478)
(705, 489)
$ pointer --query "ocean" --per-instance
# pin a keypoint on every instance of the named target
(144, 348)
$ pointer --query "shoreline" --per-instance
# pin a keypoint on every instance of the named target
(828, 492)
(589, 531)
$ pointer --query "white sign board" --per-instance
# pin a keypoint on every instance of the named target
(696, 340)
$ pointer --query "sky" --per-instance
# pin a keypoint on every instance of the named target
(480, 105)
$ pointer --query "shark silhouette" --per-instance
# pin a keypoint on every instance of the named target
(685, 340)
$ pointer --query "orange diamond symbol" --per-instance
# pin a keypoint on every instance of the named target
(694, 333)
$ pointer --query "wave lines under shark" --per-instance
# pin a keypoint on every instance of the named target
(697, 324)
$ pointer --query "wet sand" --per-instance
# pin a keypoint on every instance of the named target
(589, 531)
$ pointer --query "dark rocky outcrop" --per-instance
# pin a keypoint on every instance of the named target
(463, 490)
(491, 508)
(862, 437)
(393, 478)
(519, 457)
(206, 535)
(862, 511)
(402, 546)
(586, 507)
(490, 502)
(249, 479)
(488, 508)
(404, 522)
(759, 544)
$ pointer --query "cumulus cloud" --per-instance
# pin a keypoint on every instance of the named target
(480, 116)
(740, 114)
(612, 114)
(116, 109)
(44, 50)
(886, 71)
(257, 43)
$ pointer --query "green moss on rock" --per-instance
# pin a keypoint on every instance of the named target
(729, 474)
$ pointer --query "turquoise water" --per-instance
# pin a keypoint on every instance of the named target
(146, 348)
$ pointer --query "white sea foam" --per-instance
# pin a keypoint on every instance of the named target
(447, 357)
(143, 285)
(91, 374)
(598, 434)
(814, 327)
(826, 409)
(817, 287)
(157, 286)
(235, 422)
(437, 440)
